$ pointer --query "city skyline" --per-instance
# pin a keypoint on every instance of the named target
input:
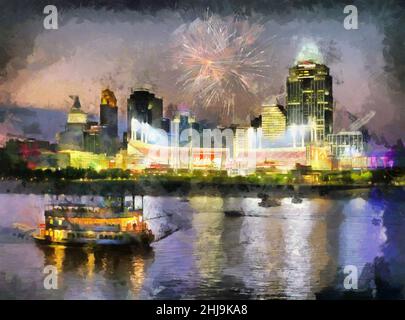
(281, 138)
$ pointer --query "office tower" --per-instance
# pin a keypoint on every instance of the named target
(72, 137)
(157, 112)
(273, 121)
(184, 121)
(107, 133)
(109, 113)
(145, 107)
(93, 138)
(310, 100)
(76, 116)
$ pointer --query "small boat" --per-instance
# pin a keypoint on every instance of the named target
(234, 213)
(296, 200)
(268, 202)
(78, 224)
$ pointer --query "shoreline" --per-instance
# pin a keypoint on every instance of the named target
(184, 188)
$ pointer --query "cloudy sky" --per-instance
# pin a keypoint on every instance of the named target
(122, 45)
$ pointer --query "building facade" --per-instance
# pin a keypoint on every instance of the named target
(109, 113)
(310, 100)
(145, 107)
(346, 144)
(72, 138)
(274, 121)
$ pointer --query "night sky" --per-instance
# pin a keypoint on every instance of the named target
(127, 44)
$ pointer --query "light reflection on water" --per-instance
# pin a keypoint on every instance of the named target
(293, 251)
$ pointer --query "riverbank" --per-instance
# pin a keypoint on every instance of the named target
(157, 187)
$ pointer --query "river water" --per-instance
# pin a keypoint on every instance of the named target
(294, 251)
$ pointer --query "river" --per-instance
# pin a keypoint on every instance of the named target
(294, 251)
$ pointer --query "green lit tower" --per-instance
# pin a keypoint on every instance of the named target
(310, 100)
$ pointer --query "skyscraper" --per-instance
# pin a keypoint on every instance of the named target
(273, 121)
(310, 100)
(109, 113)
(107, 133)
(185, 121)
(145, 107)
(72, 137)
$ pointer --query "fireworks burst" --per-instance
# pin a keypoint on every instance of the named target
(219, 59)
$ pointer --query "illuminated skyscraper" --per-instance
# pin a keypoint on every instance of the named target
(273, 121)
(76, 115)
(72, 137)
(310, 100)
(109, 113)
(106, 134)
(185, 121)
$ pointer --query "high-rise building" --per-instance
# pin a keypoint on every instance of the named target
(83, 135)
(185, 121)
(310, 100)
(72, 137)
(145, 107)
(93, 138)
(107, 134)
(76, 115)
(109, 113)
(273, 121)
(157, 112)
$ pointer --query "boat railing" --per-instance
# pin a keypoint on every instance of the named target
(58, 210)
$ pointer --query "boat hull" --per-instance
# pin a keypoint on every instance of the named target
(137, 240)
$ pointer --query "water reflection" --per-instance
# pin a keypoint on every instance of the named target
(208, 223)
(104, 273)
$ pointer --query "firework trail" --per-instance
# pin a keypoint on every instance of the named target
(220, 58)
